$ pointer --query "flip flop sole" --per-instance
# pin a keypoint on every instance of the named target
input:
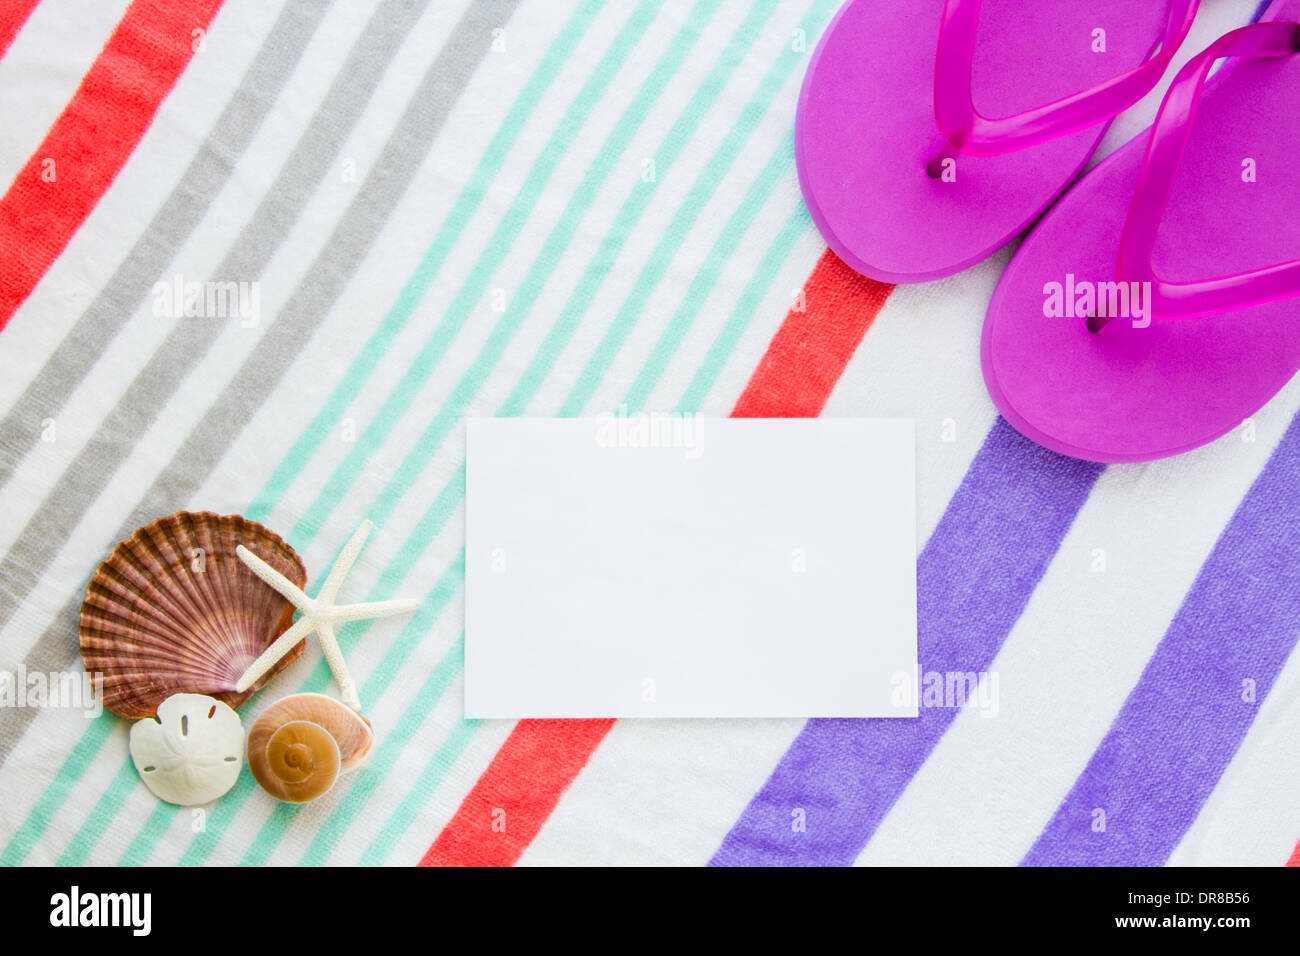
(865, 127)
(1132, 393)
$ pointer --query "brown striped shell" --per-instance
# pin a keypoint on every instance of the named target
(173, 610)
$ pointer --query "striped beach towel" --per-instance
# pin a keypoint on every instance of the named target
(430, 210)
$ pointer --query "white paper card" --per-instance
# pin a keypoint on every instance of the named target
(674, 566)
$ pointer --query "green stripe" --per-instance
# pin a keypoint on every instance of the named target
(157, 823)
(461, 730)
(418, 798)
(431, 440)
(56, 793)
(530, 290)
(397, 741)
(795, 228)
(470, 296)
(92, 829)
(485, 171)
(670, 242)
(376, 771)
(629, 215)
(747, 304)
(411, 634)
(707, 275)
(529, 100)
(223, 811)
(278, 822)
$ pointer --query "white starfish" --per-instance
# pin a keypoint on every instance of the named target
(319, 615)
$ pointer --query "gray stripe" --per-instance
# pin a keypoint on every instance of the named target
(263, 370)
(188, 342)
(207, 173)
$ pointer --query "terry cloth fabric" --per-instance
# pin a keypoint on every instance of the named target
(430, 211)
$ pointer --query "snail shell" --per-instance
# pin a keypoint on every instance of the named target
(299, 745)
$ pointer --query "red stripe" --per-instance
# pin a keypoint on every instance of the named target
(517, 792)
(13, 14)
(92, 138)
(540, 759)
(811, 349)
(1295, 857)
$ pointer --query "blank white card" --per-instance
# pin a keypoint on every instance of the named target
(675, 566)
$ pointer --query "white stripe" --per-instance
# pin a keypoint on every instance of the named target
(768, 136)
(992, 783)
(716, 310)
(71, 568)
(507, 376)
(682, 785)
(34, 763)
(42, 69)
(876, 378)
(919, 361)
(1002, 828)
(661, 792)
(116, 223)
(486, 90)
(197, 259)
(566, 276)
(445, 179)
(766, 320)
(1253, 816)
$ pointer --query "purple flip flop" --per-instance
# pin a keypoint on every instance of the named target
(903, 171)
(1145, 315)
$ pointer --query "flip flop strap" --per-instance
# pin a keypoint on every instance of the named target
(1185, 300)
(971, 132)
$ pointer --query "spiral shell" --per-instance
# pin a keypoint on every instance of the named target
(298, 747)
(174, 610)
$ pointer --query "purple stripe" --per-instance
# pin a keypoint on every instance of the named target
(1186, 717)
(974, 578)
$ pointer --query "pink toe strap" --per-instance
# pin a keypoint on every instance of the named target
(1184, 300)
(977, 135)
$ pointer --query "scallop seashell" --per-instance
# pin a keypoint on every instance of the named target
(299, 745)
(190, 754)
(174, 610)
